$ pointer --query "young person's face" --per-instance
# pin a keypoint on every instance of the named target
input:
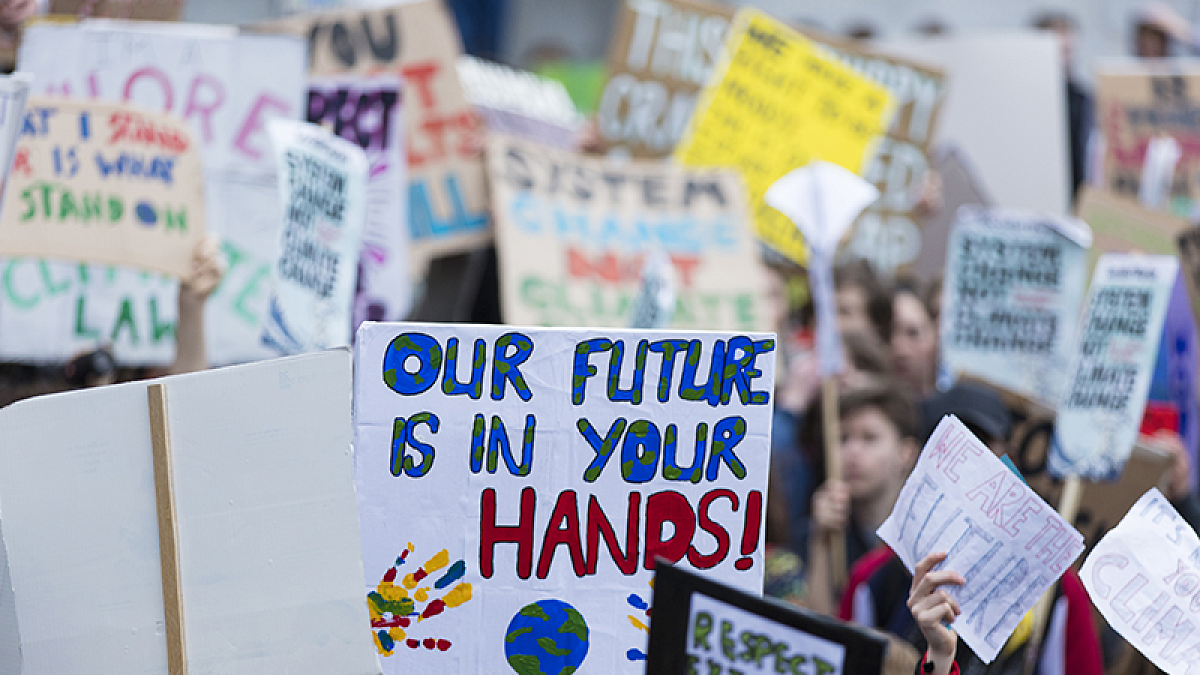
(914, 344)
(874, 456)
(852, 314)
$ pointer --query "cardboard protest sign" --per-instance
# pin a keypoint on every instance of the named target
(662, 53)
(1138, 101)
(1011, 298)
(775, 103)
(520, 103)
(1121, 225)
(447, 200)
(518, 504)
(104, 182)
(1109, 376)
(367, 111)
(323, 183)
(1006, 102)
(1007, 543)
(1142, 577)
(53, 310)
(887, 233)
(226, 85)
(265, 513)
(140, 10)
(701, 626)
(571, 253)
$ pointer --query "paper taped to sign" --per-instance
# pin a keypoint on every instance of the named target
(532, 476)
(1007, 543)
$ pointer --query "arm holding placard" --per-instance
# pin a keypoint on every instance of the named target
(830, 516)
(208, 267)
(934, 610)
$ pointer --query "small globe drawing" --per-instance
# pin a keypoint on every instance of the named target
(547, 637)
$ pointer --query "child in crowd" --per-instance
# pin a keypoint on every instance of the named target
(914, 341)
(880, 585)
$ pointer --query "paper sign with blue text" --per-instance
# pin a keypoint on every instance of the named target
(1007, 542)
(1143, 576)
(516, 485)
(1011, 300)
(1109, 378)
(104, 182)
(226, 85)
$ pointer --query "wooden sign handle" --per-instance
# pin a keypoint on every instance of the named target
(168, 534)
(832, 427)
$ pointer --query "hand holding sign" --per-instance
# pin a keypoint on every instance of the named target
(935, 609)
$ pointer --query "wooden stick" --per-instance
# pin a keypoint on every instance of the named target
(833, 471)
(168, 534)
(1068, 507)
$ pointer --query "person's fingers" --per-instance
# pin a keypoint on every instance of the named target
(927, 563)
(932, 580)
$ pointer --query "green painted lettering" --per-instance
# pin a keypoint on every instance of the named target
(159, 330)
(115, 209)
(252, 288)
(66, 206)
(125, 317)
(176, 219)
(10, 287)
(51, 287)
(80, 329)
(93, 208)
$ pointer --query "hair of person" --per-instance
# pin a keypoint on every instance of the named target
(912, 286)
(867, 353)
(1054, 20)
(887, 398)
(879, 302)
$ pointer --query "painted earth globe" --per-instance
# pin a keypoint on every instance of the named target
(547, 637)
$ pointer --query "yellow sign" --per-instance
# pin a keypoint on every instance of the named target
(777, 102)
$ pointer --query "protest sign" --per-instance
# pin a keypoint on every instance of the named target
(960, 187)
(140, 10)
(1112, 364)
(1121, 225)
(662, 53)
(887, 234)
(447, 200)
(266, 526)
(776, 103)
(226, 85)
(571, 250)
(1173, 384)
(323, 184)
(701, 626)
(1142, 577)
(1007, 543)
(1137, 102)
(14, 91)
(367, 111)
(518, 504)
(1013, 287)
(521, 103)
(104, 182)
(1006, 102)
(1188, 243)
(54, 310)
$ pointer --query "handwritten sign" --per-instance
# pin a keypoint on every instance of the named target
(264, 497)
(447, 199)
(1013, 289)
(776, 103)
(702, 626)
(323, 182)
(662, 53)
(527, 479)
(1143, 578)
(1138, 101)
(520, 103)
(104, 182)
(572, 253)
(226, 85)
(1110, 372)
(367, 111)
(14, 92)
(1007, 543)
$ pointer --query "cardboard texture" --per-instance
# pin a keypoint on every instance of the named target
(367, 111)
(572, 254)
(1138, 101)
(226, 85)
(418, 41)
(888, 234)
(1011, 299)
(323, 185)
(662, 53)
(704, 626)
(1121, 225)
(1006, 102)
(521, 103)
(775, 103)
(266, 514)
(104, 182)
(140, 10)
(1112, 366)
(516, 486)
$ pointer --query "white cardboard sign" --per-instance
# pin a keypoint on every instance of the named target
(323, 185)
(1143, 577)
(1109, 378)
(1007, 542)
(516, 485)
(1011, 300)
(265, 508)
